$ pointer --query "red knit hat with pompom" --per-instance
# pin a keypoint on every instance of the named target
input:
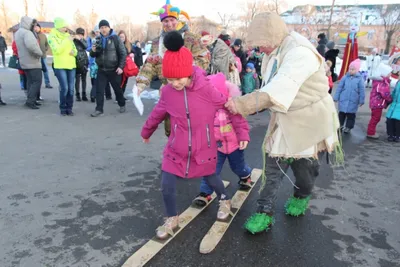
(178, 60)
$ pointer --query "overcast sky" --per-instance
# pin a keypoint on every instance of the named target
(140, 10)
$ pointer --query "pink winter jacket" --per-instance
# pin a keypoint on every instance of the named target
(191, 150)
(380, 96)
(229, 130)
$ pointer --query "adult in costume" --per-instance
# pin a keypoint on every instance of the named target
(169, 16)
(303, 123)
(396, 47)
(351, 49)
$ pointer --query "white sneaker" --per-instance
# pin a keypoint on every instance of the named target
(224, 210)
(167, 229)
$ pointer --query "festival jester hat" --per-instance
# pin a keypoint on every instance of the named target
(170, 11)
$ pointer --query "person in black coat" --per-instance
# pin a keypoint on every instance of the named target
(322, 41)
(137, 51)
(238, 49)
(82, 64)
(331, 55)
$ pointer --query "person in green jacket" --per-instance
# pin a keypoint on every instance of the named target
(64, 53)
(250, 80)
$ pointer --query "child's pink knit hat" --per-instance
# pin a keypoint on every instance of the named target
(355, 64)
(225, 87)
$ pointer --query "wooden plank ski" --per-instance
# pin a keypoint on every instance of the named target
(154, 245)
(218, 229)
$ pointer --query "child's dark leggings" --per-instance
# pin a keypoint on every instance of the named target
(168, 188)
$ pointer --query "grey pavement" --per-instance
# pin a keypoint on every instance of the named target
(81, 191)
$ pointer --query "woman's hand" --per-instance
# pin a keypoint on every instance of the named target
(146, 141)
(243, 145)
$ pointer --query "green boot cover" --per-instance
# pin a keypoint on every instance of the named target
(297, 206)
(258, 222)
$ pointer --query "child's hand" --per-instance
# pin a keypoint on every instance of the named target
(146, 141)
(243, 145)
(230, 105)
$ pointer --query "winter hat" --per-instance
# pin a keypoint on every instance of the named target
(104, 22)
(204, 33)
(80, 31)
(178, 60)
(233, 89)
(250, 65)
(384, 69)
(238, 42)
(218, 80)
(330, 45)
(60, 23)
(267, 29)
(168, 10)
(355, 64)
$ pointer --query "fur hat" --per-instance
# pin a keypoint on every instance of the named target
(384, 70)
(178, 60)
(355, 64)
(226, 88)
(267, 29)
(168, 10)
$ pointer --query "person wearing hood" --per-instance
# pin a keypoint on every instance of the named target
(137, 51)
(82, 64)
(64, 53)
(303, 123)
(169, 17)
(110, 54)
(322, 41)
(30, 55)
(239, 52)
(331, 55)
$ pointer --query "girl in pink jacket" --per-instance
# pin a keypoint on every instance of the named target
(232, 135)
(380, 98)
(191, 101)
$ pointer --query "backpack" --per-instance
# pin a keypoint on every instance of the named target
(130, 69)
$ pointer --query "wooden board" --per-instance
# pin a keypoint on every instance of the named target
(218, 229)
(153, 246)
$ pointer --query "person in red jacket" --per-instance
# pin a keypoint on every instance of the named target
(22, 76)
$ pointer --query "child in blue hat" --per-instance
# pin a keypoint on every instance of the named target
(250, 80)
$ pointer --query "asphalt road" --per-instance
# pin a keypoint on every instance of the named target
(81, 191)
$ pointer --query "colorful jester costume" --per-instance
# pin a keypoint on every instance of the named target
(152, 66)
(351, 49)
(304, 121)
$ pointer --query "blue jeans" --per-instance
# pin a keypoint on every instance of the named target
(237, 164)
(66, 78)
(45, 72)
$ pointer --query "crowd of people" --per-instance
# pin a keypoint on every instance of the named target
(209, 86)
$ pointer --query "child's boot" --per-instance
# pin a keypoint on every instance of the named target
(245, 183)
(391, 139)
(84, 97)
(202, 200)
(167, 229)
(78, 97)
(224, 210)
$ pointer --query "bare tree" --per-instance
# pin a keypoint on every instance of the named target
(330, 20)
(93, 18)
(391, 21)
(226, 20)
(41, 10)
(81, 21)
(26, 7)
(6, 21)
(134, 32)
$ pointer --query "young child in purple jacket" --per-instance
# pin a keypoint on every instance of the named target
(191, 101)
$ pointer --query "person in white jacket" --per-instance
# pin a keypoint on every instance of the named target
(373, 61)
(304, 122)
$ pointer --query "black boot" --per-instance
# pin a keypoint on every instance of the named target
(84, 97)
(78, 97)
(2, 103)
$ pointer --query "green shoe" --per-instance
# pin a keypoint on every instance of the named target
(258, 222)
(297, 206)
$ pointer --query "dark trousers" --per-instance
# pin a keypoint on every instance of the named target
(123, 86)
(93, 90)
(236, 162)
(3, 57)
(34, 82)
(107, 91)
(393, 127)
(168, 189)
(305, 172)
(78, 78)
(349, 118)
(104, 78)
